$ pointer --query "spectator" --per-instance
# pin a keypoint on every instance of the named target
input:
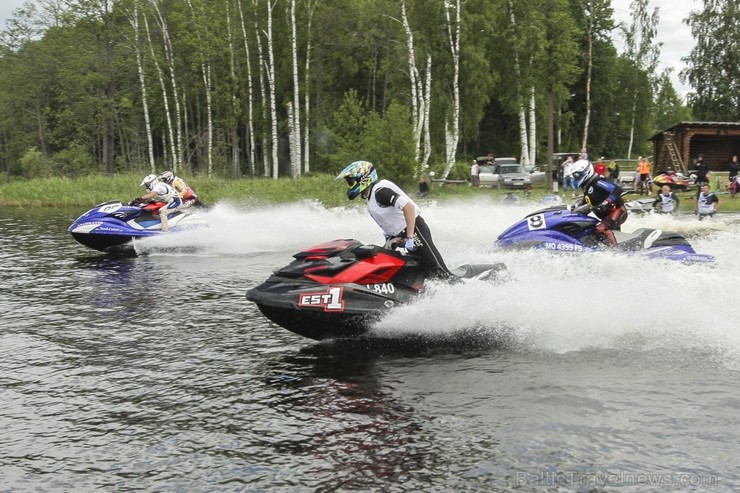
(643, 175)
(613, 168)
(600, 167)
(666, 202)
(475, 174)
(734, 168)
(702, 173)
(567, 175)
(706, 203)
(423, 188)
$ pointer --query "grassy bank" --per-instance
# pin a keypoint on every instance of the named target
(90, 190)
(84, 192)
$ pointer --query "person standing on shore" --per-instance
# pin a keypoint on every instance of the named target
(706, 203)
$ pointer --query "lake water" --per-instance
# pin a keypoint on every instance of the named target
(153, 373)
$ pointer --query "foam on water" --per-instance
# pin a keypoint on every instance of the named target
(553, 302)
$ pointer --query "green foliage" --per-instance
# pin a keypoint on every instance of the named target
(460, 171)
(713, 65)
(73, 161)
(33, 164)
(386, 140)
(347, 126)
(71, 88)
(389, 141)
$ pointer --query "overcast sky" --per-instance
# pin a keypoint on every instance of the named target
(675, 35)
(672, 32)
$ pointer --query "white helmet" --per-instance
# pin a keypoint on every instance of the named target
(149, 181)
(167, 177)
(581, 171)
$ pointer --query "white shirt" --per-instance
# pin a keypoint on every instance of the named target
(389, 217)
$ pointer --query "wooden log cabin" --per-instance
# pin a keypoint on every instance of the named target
(676, 147)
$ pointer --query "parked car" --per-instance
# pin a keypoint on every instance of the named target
(537, 176)
(509, 176)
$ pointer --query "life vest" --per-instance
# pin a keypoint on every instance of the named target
(706, 205)
(667, 203)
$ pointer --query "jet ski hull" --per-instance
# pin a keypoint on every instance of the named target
(339, 289)
(559, 229)
(330, 311)
(112, 226)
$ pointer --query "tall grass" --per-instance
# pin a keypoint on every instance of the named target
(90, 190)
(87, 191)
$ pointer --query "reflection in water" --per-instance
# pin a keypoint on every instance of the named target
(358, 431)
(153, 373)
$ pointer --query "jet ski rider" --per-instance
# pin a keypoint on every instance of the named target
(159, 191)
(395, 213)
(189, 198)
(603, 197)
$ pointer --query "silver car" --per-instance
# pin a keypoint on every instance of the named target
(507, 175)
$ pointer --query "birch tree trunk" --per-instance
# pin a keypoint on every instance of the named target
(522, 110)
(165, 98)
(532, 126)
(306, 105)
(250, 93)
(233, 121)
(588, 10)
(205, 68)
(414, 79)
(266, 164)
(427, 111)
(453, 135)
(272, 87)
(641, 50)
(134, 19)
(177, 155)
(295, 148)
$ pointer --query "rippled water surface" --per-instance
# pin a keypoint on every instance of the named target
(153, 373)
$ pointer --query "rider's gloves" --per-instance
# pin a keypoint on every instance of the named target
(409, 245)
(601, 209)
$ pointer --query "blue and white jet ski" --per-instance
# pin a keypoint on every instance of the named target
(114, 225)
(560, 229)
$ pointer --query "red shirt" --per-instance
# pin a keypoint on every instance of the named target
(600, 168)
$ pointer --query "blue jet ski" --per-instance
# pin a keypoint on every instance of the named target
(114, 225)
(560, 229)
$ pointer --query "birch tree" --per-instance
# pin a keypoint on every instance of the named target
(642, 51)
(203, 51)
(306, 105)
(250, 92)
(413, 78)
(261, 72)
(272, 87)
(233, 85)
(295, 110)
(597, 15)
(452, 135)
(175, 131)
(134, 20)
(521, 99)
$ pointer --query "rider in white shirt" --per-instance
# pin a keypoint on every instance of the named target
(159, 191)
(395, 213)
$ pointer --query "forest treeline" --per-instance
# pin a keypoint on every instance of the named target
(233, 88)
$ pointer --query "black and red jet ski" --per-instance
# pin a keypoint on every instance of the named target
(338, 289)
